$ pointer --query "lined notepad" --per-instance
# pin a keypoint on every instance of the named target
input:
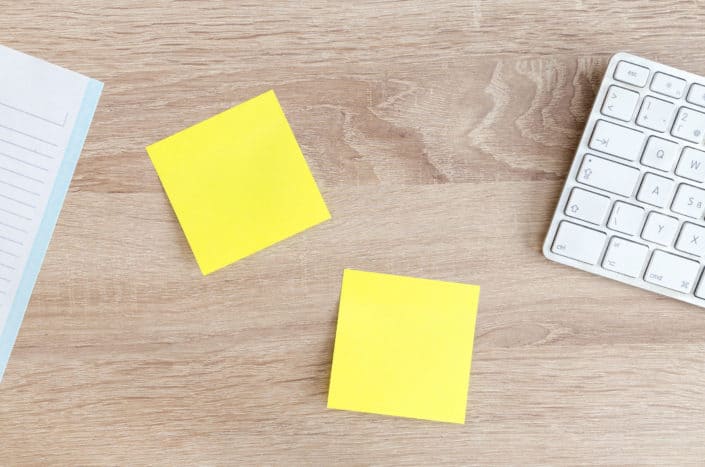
(45, 111)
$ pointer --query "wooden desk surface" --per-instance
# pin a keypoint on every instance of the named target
(440, 134)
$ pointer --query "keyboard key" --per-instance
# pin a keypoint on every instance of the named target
(660, 153)
(691, 239)
(655, 190)
(617, 140)
(587, 206)
(668, 85)
(689, 125)
(696, 95)
(689, 201)
(620, 103)
(578, 242)
(626, 218)
(607, 175)
(671, 271)
(700, 291)
(630, 73)
(655, 114)
(692, 165)
(660, 229)
(625, 257)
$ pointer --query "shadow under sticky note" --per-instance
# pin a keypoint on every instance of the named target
(403, 346)
(238, 182)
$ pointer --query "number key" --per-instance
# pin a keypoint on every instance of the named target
(689, 125)
(655, 114)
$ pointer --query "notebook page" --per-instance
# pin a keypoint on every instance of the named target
(41, 108)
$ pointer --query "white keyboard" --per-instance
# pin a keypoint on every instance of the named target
(633, 205)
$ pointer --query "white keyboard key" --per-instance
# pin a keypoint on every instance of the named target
(631, 73)
(625, 257)
(668, 85)
(607, 175)
(655, 190)
(671, 271)
(689, 125)
(620, 103)
(587, 206)
(689, 201)
(578, 242)
(660, 153)
(692, 239)
(617, 140)
(655, 114)
(692, 165)
(660, 229)
(696, 95)
(700, 291)
(626, 218)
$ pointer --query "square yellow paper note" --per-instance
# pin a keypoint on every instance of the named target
(403, 346)
(238, 182)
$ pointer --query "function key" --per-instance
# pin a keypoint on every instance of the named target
(696, 95)
(668, 85)
(630, 73)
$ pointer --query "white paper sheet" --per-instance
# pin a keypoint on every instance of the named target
(45, 111)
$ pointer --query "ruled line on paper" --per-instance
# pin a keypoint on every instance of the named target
(18, 201)
(29, 135)
(13, 227)
(20, 174)
(39, 153)
(16, 187)
(38, 167)
(4, 279)
(7, 266)
(11, 240)
(66, 115)
(8, 253)
(16, 214)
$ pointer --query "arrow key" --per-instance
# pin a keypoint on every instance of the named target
(587, 206)
(620, 103)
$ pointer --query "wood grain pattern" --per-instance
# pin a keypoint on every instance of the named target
(440, 134)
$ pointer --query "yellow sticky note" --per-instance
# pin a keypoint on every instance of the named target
(238, 182)
(403, 346)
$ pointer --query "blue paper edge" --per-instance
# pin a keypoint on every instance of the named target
(51, 215)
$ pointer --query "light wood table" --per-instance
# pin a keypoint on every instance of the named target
(440, 134)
